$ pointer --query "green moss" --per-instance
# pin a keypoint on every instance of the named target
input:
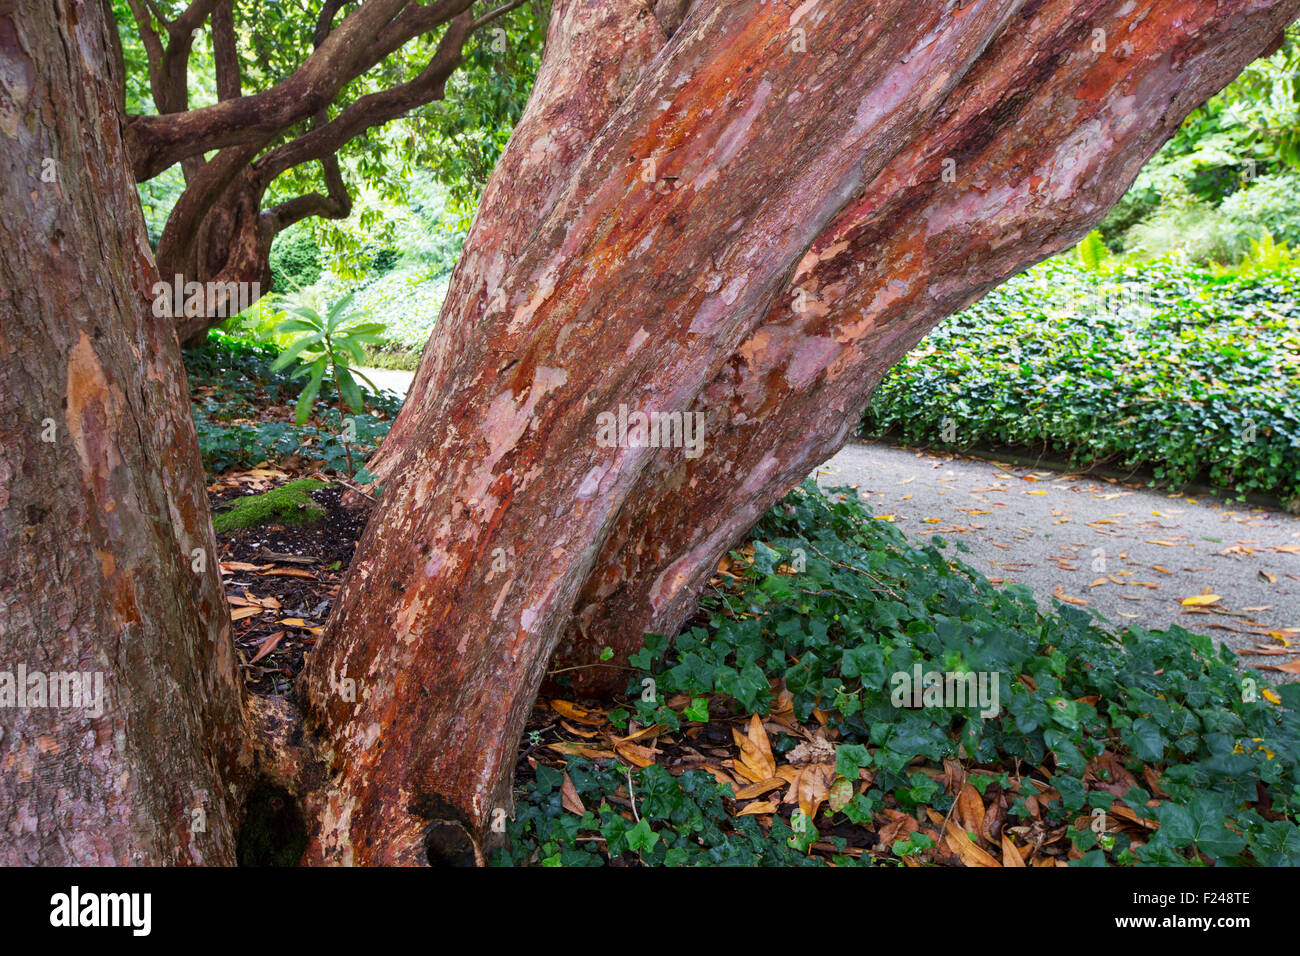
(289, 504)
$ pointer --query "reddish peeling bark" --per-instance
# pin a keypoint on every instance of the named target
(1047, 133)
(107, 559)
(765, 148)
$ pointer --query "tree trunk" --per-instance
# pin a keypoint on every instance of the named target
(1042, 145)
(768, 212)
(123, 735)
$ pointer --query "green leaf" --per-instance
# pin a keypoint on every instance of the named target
(348, 386)
(309, 392)
(641, 837)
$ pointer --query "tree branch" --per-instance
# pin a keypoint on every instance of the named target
(374, 109)
(365, 37)
(225, 51)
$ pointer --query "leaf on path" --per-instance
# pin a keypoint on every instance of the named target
(1290, 667)
(1059, 593)
(1200, 600)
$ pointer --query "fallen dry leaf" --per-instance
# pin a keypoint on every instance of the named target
(569, 798)
(267, 646)
(636, 754)
(758, 789)
(581, 714)
(814, 787)
(1010, 855)
(966, 851)
(756, 761)
(289, 573)
(581, 750)
(970, 809)
(1059, 593)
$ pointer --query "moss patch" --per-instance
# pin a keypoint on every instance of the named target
(290, 504)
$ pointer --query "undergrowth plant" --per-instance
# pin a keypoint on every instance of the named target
(1152, 726)
(330, 343)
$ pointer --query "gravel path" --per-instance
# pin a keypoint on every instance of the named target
(1129, 553)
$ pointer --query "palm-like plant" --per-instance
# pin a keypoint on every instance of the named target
(331, 344)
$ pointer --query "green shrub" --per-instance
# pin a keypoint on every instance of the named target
(1270, 202)
(232, 382)
(295, 260)
(1193, 377)
(1190, 230)
(868, 605)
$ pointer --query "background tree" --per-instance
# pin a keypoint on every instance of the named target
(262, 114)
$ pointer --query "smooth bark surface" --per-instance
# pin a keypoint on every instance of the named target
(108, 564)
(887, 162)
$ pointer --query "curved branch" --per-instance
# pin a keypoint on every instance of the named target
(364, 38)
(371, 110)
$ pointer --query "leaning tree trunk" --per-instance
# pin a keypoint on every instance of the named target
(122, 735)
(1045, 133)
(773, 207)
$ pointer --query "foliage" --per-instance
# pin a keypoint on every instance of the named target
(455, 141)
(1228, 172)
(234, 388)
(295, 260)
(1188, 229)
(1191, 376)
(1152, 725)
(1271, 203)
(1265, 256)
(683, 822)
(289, 504)
(404, 283)
(329, 343)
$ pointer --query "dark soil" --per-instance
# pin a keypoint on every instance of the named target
(304, 588)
